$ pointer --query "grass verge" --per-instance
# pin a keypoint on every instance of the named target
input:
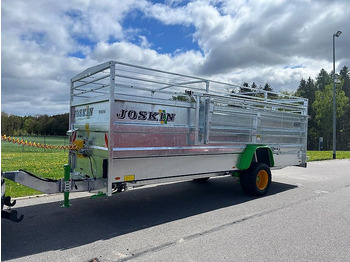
(326, 155)
(45, 163)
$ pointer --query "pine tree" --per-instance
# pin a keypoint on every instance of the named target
(244, 90)
(307, 90)
(323, 79)
(267, 87)
(345, 76)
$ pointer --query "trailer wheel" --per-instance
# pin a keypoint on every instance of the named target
(256, 180)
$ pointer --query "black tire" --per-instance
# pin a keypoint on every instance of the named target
(201, 180)
(256, 180)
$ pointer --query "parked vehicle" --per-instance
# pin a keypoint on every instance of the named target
(133, 126)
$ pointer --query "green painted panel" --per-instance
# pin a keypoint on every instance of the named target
(247, 156)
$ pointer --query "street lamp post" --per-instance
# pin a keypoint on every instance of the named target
(337, 34)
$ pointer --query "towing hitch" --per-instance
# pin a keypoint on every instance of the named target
(10, 213)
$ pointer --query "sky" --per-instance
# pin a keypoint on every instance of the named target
(46, 43)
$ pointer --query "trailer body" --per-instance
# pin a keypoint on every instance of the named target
(135, 126)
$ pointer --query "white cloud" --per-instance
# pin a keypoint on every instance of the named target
(131, 53)
(169, 15)
(240, 41)
(144, 42)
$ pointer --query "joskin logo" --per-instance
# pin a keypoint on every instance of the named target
(85, 112)
(161, 116)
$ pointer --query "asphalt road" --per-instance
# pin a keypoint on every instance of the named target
(305, 217)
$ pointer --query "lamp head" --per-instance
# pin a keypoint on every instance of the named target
(337, 34)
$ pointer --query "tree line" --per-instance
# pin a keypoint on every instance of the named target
(319, 92)
(13, 125)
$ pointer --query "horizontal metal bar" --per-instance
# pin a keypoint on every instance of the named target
(91, 90)
(180, 84)
(90, 100)
(174, 148)
(139, 183)
(86, 92)
(277, 129)
(91, 82)
(140, 79)
(158, 101)
(216, 128)
(93, 70)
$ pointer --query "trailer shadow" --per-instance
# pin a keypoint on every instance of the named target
(47, 227)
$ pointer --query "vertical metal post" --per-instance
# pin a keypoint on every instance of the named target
(207, 114)
(70, 104)
(254, 132)
(334, 94)
(70, 124)
(305, 113)
(334, 105)
(196, 120)
(111, 123)
(67, 169)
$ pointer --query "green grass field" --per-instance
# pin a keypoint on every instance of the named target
(46, 163)
(326, 155)
(49, 163)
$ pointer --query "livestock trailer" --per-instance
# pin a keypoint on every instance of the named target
(133, 126)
